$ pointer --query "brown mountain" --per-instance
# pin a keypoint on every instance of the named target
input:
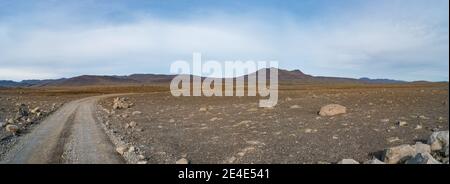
(284, 76)
(90, 80)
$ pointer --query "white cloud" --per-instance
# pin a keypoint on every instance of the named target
(357, 44)
(29, 73)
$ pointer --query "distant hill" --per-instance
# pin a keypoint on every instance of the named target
(284, 76)
(151, 78)
(8, 83)
(381, 81)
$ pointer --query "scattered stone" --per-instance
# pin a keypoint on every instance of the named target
(12, 129)
(332, 109)
(2, 124)
(422, 148)
(171, 121)
(134, 113)
(402, 123)
(182, 161)
(374, 161)
(214, 119)
(245, 122)
(23, 111)
(288, 99)
(132, 124)
(35, 110)
(323, 162)
(121, 149)
(393, 139)
(252, 110)
(131, 149)
(203, 109)
(141, 157)
(231, 160)
(142, 162)
(120, 103)
(295, 107)
(423, 117)
(439, 142)
(418, 127)
(10, 121)
(398, 154)
(385, 120)
(422, 158)
(348, 161)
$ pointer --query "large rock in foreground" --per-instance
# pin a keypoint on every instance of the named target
(398, 154)
(348, 161)
(439, 142)
(422, 158)
(332, 109)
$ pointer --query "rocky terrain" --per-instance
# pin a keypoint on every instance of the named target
(21, 111)
(310, 124)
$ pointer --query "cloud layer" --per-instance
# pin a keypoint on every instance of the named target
(405, 40)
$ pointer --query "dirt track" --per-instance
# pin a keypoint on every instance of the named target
(70, 135)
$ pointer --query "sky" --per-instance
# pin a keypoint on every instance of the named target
(396, 39)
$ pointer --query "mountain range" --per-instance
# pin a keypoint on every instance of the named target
(293, 76)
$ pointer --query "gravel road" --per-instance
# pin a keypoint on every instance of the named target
(70, 135)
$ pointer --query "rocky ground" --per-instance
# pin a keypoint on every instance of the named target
(160, 128)
(21, 111)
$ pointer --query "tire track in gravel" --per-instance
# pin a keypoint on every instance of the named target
(70, 135)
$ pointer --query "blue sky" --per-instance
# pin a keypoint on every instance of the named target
(398, 39)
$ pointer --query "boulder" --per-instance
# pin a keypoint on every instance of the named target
(402, 123)
(35, 110)
(12, 128)
(122, 149)
(348, 161)
(439, 142)
(127, 125)
(134, 113)
(398, 154)
(422, 148)
(374, 161)
(10, 121)
(182, 161)
(132, 124)
(332, 109)
(131, 149)
(22, 111)
(422, 158)
(142, 162)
